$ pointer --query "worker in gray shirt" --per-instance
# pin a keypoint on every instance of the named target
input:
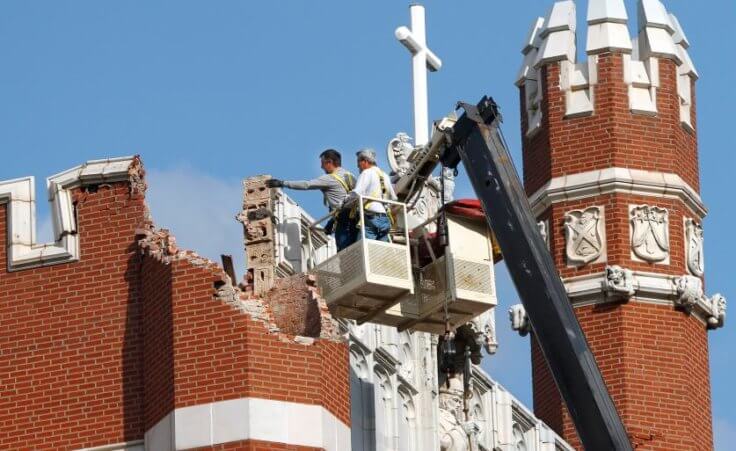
(335, 184)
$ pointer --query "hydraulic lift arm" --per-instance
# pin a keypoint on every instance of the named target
(476, 141)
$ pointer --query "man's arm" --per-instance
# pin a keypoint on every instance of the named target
(322, 182)
(361, 186)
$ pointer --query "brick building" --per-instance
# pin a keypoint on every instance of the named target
(611, 169)
(112, 335)
(114, 338)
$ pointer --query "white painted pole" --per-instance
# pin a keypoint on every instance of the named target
(419, 73)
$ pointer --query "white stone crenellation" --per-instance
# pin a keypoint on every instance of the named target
(552, 40)
(23, 250)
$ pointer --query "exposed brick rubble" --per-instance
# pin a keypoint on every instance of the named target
(298, 309)
(292, 309)
(136, 175)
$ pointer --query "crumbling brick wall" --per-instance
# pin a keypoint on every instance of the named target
(97, 351)
(226, 345)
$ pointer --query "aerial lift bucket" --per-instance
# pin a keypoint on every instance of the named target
(458, 284)
(363, 280)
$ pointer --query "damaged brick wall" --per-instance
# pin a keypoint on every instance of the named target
(227, 345)
(297, 309)
(70, 335)
(97, 351)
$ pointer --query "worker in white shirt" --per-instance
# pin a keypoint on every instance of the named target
(373, 182)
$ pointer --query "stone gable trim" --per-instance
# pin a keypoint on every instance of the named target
(616, 180)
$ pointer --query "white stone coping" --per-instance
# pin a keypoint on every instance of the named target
(132, 445)
(19, 194)
(649, 287)
(249, 419)
(616, 180)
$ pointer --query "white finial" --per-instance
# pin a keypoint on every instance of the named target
(422, 60)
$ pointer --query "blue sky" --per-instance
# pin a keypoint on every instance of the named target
(211, 92)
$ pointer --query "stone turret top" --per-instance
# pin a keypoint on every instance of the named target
(659, 33)
(553, 40)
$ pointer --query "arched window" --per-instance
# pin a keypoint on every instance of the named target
(519, 439)
(407, 358)
(407, 421)
(385, 410)
(478, 414)
(362, 403)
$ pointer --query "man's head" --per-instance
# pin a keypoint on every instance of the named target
(330, 160)
(366, 158)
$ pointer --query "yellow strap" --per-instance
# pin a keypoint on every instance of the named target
(347, 186)
(382, 194)
(341, 181)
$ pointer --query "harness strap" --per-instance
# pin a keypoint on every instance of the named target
(348, 186)
(383, 194)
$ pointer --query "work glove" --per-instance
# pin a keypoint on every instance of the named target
(274, 183)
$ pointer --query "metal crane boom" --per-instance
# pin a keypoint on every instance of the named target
(476, 141)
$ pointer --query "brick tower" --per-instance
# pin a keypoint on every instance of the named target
(611, 171)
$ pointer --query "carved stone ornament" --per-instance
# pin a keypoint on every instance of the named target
(718, 311)
(544, 231)
(584, 235)
(520, 320)
(694, 236)
(449, 175)
(619, 281)
(650, 239)
(689, 291)
(455, 433)
(398, 151)
(484, 328)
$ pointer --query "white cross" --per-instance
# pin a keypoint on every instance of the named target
(422, 59)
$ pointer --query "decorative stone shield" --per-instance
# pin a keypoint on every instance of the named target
(694, 236)
(584, 235)
(650, 238)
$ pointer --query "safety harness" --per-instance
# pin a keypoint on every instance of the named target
(383, 194)
(348, 183)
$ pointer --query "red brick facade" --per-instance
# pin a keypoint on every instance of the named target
(654, 358)
(97, 351)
